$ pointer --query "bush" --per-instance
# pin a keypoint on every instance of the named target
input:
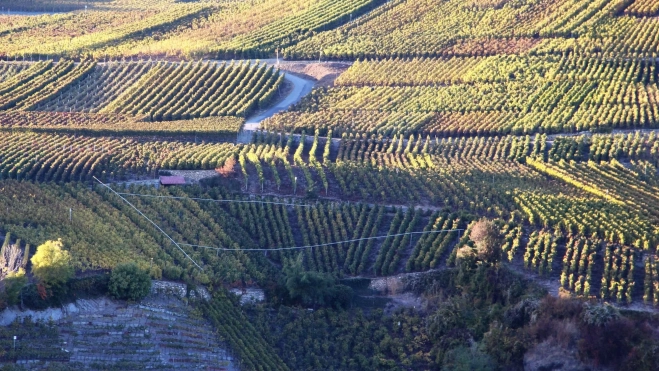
(32, 297)
(128, 282)
(310, 288)
(467, 359)
(172, 272)
(91, 286)
(600, 315)
(13, 284)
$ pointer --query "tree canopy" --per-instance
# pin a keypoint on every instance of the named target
(129, 282)
(51, 264)
(310, 288)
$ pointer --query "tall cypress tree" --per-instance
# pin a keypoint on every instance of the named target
(5, 244)
(26, 256)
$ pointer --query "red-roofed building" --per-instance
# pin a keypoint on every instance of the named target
(172, 180)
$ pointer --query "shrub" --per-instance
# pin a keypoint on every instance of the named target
(12, 285)
(90, 286)
(172, 272)
(463, 358)
(310, 288)
(600, 315)
(128, 282)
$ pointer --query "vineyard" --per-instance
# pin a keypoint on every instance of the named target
(453, 181)
(44, 157)
(158, 91)
(431, 184)
(579, 210)
(467, 28)
(198, 90)
(140, 98)
(94, 124)
(232, 29)
(331, 29)
(482, 96)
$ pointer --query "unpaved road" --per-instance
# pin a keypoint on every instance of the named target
(322, 73)
(301, 87)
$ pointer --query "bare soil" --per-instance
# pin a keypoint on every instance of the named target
(323, 72)
(194, 176)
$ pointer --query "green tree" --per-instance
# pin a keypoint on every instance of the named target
(311, 288)
(487, 238)
(14, 283)
(129, 282)
(51, 264)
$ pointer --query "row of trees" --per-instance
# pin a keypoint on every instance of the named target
(610, 181)
(241, 335)
(618, 277)
(589, 216)
(431, 248)
(642, 8)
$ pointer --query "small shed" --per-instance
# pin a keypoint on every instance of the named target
(172, 180)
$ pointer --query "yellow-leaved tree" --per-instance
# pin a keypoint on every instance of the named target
(51, 264)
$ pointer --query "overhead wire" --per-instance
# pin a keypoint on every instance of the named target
(150, 221)
(179, 244)
(214, 200)
(321, 245)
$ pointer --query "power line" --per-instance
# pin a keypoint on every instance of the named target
(214, 200)
(324, 244)
(178, 245)
(151, 221)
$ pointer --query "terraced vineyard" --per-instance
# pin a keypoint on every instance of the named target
(470, 184)
(98, 89)
(135, 98)
(199, 90)
(282, 32)
(224, 127)
(473, 28)
(41, 157)
(135, 88)
(160, 332)
(434, 170)
(482, 96)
